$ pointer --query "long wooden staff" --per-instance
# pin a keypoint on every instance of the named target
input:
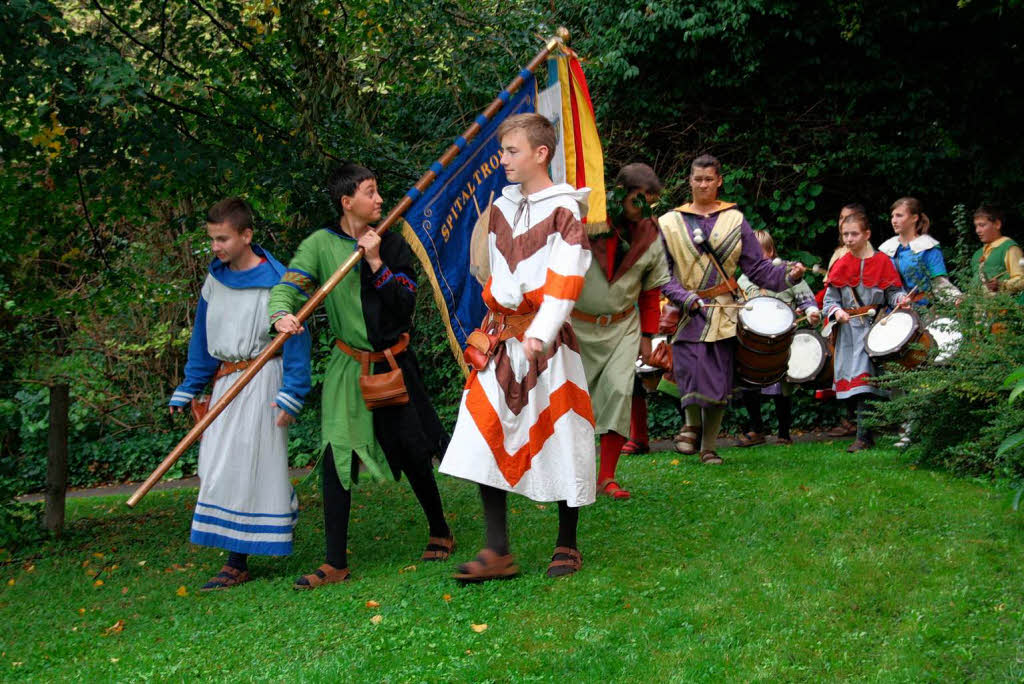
(561, 36)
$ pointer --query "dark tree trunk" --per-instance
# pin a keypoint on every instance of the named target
(57, 458)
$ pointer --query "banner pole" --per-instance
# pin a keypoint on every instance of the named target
(560, 38)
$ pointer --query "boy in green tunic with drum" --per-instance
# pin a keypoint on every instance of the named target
(366, 417)
(617, 313)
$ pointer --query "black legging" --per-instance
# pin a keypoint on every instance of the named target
(338, 504)
(496, 517)
(783, 411)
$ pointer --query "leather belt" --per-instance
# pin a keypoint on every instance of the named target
(507, 326)
(229, 367)
(603, 319)
(722, 288)
(374, 356)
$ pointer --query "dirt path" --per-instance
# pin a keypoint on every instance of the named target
(126, 488)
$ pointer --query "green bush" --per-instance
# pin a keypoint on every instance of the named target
(958, 411)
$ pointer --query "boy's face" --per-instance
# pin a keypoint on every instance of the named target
(365, 203)
(704, 184)
(521, 161)
(854, 236)
(987, 229)
(633, 204)
(229, 244)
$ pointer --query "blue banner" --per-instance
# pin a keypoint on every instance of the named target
(440, 222)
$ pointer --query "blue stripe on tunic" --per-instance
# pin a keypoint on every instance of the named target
(260, 548)
(250, 515)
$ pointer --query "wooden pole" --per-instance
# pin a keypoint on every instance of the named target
(57, 458)
(425, 181)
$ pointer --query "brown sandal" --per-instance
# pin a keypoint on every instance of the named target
(325, 574)
(709, 457)
(488, 565)
(750, 439)
(438, 548)
(565, 561)
(225, 579)
(687, 439)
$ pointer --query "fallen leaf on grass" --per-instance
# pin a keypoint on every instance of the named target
(372, 604)
(376, 619)
(541, 506)
(124, 590)
(114, 660)
(675, 461)
(10, 582)
(479, 628)
(115, 628)
(97, 555)
(182, 591)
(447, 597)
(98, 583)
(142, 562)
(81, 611)
(408, 568)
(30, 568)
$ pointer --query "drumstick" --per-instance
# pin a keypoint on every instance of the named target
(705, 305)
(869, 312)
(909, 295)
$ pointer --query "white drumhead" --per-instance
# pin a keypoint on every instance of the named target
(888, 337)
(767, 316)
(804, 356)
(946, 333)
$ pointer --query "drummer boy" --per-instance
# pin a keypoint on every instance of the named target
(860, 284)
(801, 298)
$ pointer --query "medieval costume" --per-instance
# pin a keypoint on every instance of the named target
(921, 267)
(527, 426)
(798, 296)
(367, 312)
(246, 504)
(858, 285)
(619, 302)
(1000, 260)
(703, 346)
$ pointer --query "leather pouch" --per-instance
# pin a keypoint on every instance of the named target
(383, 389)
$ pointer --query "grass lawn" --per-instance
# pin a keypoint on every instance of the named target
(785, 563)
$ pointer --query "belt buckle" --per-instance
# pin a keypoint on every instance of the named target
(604, 320)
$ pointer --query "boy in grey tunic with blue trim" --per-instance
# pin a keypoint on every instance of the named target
(246, 503)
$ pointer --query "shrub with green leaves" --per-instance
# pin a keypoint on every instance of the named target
(958, 410)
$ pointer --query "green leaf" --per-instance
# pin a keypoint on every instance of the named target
(1011, 442)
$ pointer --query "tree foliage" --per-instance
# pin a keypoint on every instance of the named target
(122, 121)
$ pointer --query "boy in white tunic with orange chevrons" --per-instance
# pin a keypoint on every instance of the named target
(526, 424)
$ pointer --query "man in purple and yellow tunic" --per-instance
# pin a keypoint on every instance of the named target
(697, 235)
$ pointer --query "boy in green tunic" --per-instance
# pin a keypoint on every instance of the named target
(617, 313)
(369, 311)
(997, 264)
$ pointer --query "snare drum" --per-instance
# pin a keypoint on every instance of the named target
(899, 338)
(946, 334)
(810, 359)
(764, 332)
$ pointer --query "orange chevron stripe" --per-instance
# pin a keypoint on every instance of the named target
(563, 287)
(568, 397)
